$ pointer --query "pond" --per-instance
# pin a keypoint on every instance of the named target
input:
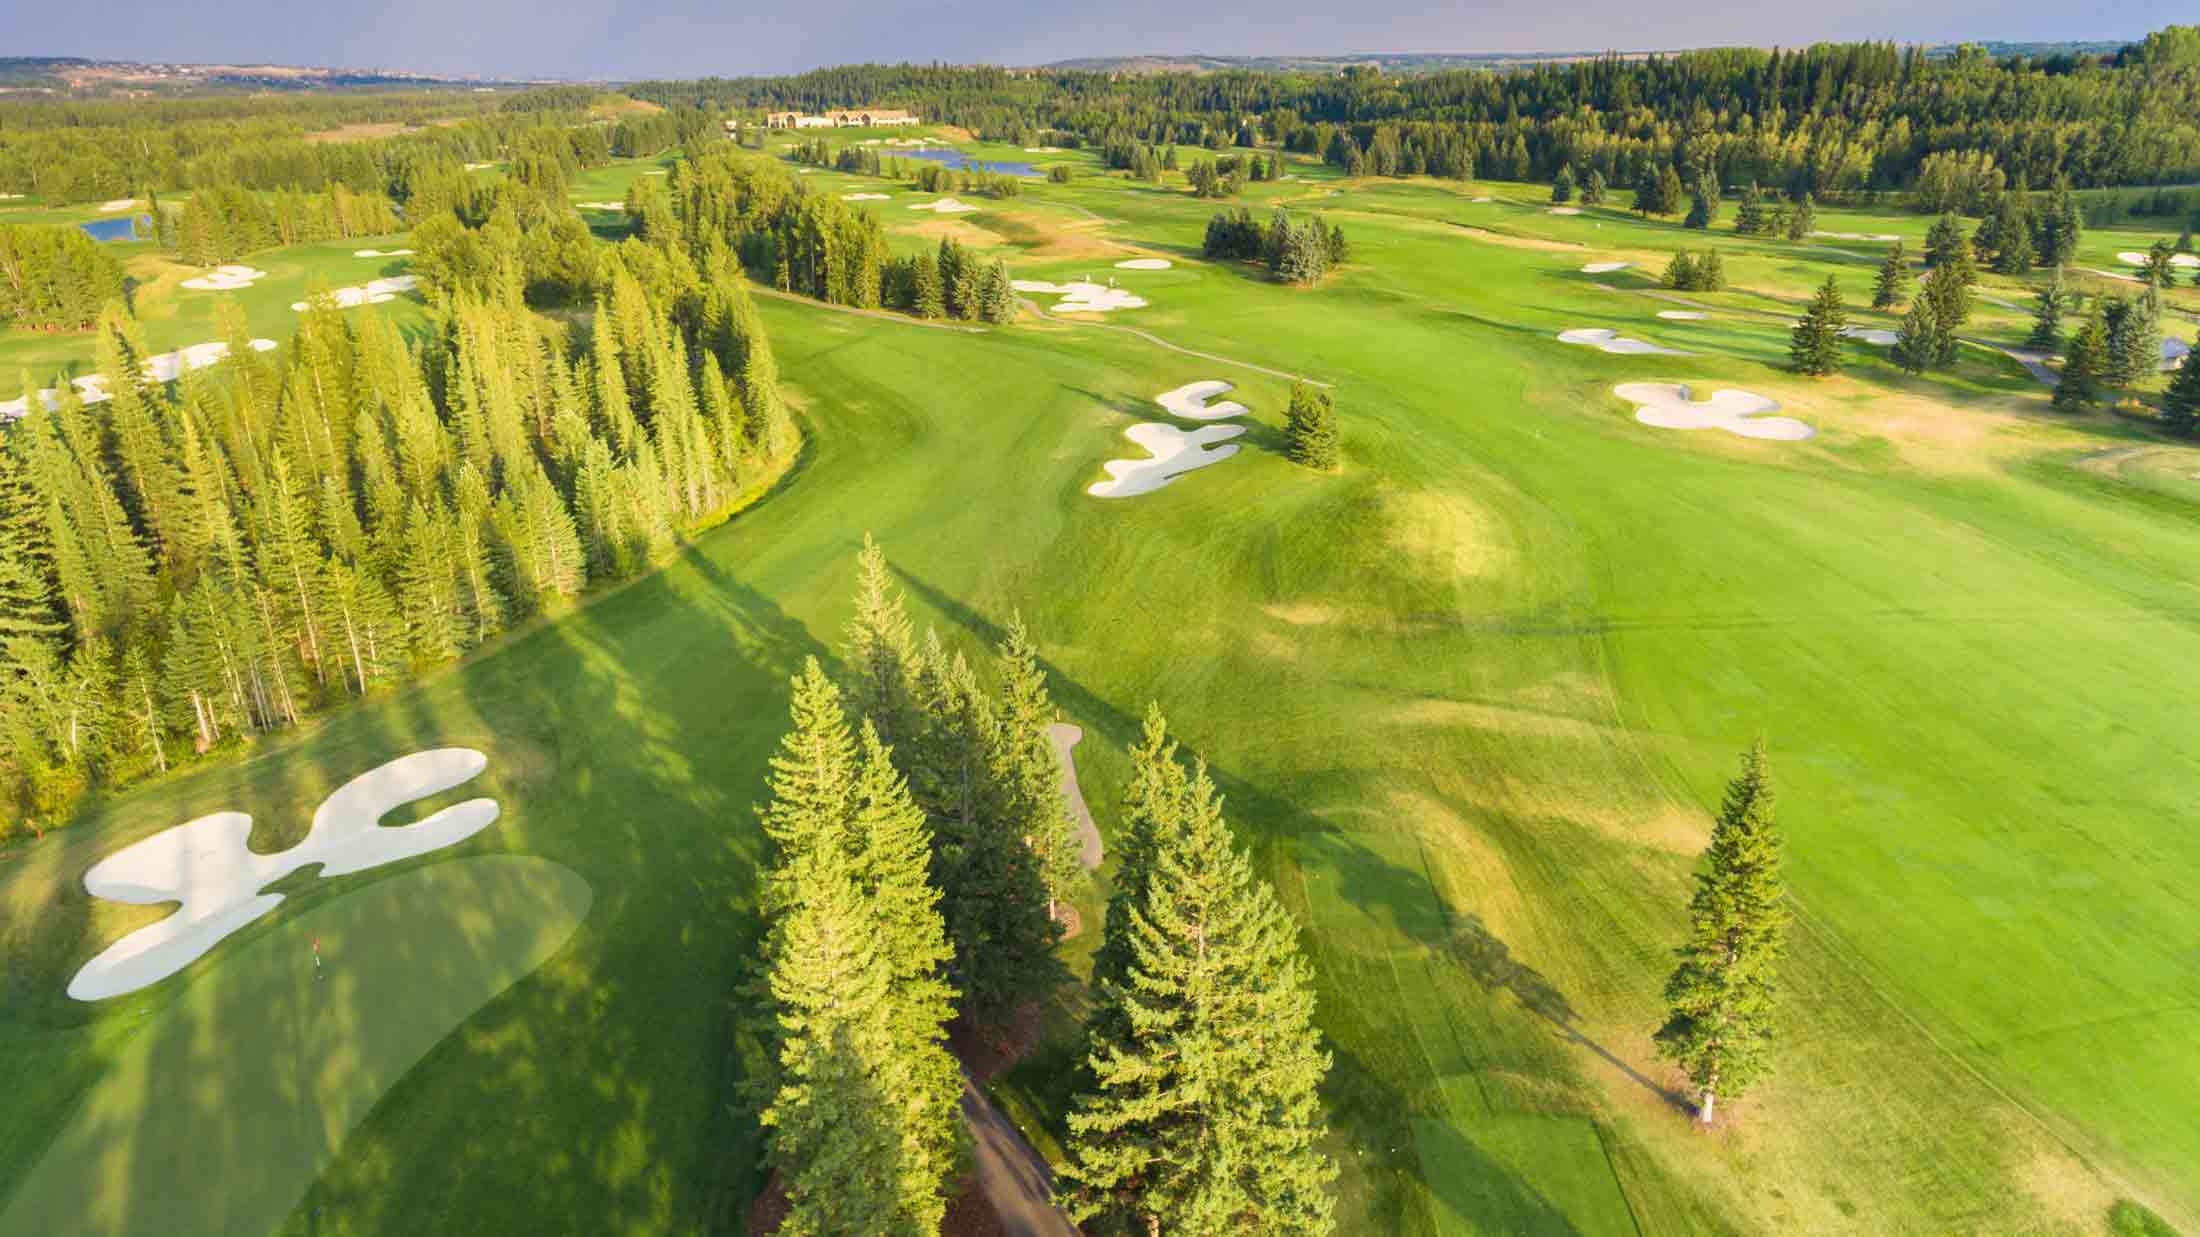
(114, 229)
(961, 162)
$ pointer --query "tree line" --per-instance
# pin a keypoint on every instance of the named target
(54, 278)
(188, 564)
(920, 840)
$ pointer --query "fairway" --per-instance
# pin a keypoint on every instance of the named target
(1471, 700)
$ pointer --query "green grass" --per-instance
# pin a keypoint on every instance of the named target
(1471, 702)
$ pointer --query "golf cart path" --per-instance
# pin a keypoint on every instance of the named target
(1013, 1174)
(1065, 737)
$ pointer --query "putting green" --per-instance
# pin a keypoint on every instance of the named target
(217, 1115)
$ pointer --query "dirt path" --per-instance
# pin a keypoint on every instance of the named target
(1013, 1174)
(1157, 341)
(1065, 737)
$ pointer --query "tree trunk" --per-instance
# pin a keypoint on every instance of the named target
(1703, 1111)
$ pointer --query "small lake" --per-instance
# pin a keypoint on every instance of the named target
(962, 162)
(113, 229)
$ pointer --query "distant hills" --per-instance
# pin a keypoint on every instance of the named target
(76, 76)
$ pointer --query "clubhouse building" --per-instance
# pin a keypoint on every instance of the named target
(861, 119)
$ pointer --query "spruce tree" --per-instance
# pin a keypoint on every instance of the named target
(1917, 340)
(1680, 273)
(2047, 314)
(1310, 428)
(881, 650)
(1562, 185)
(929, 301)
(1894, 276)
(1028, 770)
(1669, 191)
(1814, 347)
(1204, 1112)
(1721, 998)
(2181, 402)
(1596, 190)
(1704, 210)
(1941, 239)
(1804, 220)
(1749, 218)
(1711, 272)
(2084, 361)
(997, 298)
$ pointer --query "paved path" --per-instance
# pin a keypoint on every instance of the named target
(1012, 1173)
(1065, 737)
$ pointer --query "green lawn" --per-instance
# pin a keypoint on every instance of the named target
(1471, 701)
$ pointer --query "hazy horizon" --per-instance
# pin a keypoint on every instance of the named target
(689, 38)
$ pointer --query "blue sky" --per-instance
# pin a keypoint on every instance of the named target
(639, 38)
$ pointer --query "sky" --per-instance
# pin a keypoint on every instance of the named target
(627, 39)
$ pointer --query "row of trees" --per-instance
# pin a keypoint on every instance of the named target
(190, 563)
(223, 223)
(54, 278)
(1688, 273)
(1294, 252)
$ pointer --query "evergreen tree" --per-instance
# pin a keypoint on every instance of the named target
(2084, 361)
(1310, 428)
(1749, 218)
(1681, 271)
(1948, 285)
(1204, 1114)
(2160, 269)
(930, 302)
(1028, 771)
(1941, 239)
(882, 650)
(2181, 402)
(1814, 347)
(1917, 341)
(1894, 276)
(1669, 191)
(2047, 315)
(1722, 995)
(1710, 272)
(997, 299)
(1804, 219)
(1562, 185)
(1596, 190)
(1705, 208)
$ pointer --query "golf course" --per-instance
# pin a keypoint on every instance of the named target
(1472, 699)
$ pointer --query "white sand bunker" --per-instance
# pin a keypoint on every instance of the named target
(10, 197)
(1604, 268)
(226, 279)
(1858, 236)
(1682, 315)
(380, 253)
(2129, 258)
(161, 367)
(1494, 199)
(1565, 210)
(945, 206)
(1083, 296)
(1667, 406)
(1042, 150)
(864, 197)
(1175, 452)
(1613, 341)
(1190, 401)
(1871, 335)
(207, 866)
(618, 206)
(109, 208)
(658, 172)
(475, 167)
(1144, 264)
(373, 292)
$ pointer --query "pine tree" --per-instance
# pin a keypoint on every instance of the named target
(1596, 191)
(882, 650)
(1310, 428)
(1680, 273)
(1710, 272)
(1704, 211)
(1942, 238)
(1948, 286)
(1894, 276)
(1028, 770)
(2047, 315)
(1562, 185)
(1917, 346)
(1721, 998)
(2160, 269)
(1804, 220)
(2083, 364)
(997, 298)
(1669, 190)
(1204, 1113)
(1814, 347)
(2181, 402)
(929, 301)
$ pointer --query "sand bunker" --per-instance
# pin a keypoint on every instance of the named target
(1682, 315)
(2129, 258)
(1667, 406)
(945, 206)
(374, 292)
(1144, 264)
(658, 172)
(380, 253)
(619, 206)
(475, 167)
(1494, 199)
(162, 367)
(206, 865)
(226, 279)
(1604, 268)
(1190, 401)
(1174, 451)
(1042, 150)
(1082, 296)
(1064, 737)
(1613, 341)
(10, 197)
(1565, 210)
(108, 208)
(1859, 236)
(864, 197)
(1871, 335)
